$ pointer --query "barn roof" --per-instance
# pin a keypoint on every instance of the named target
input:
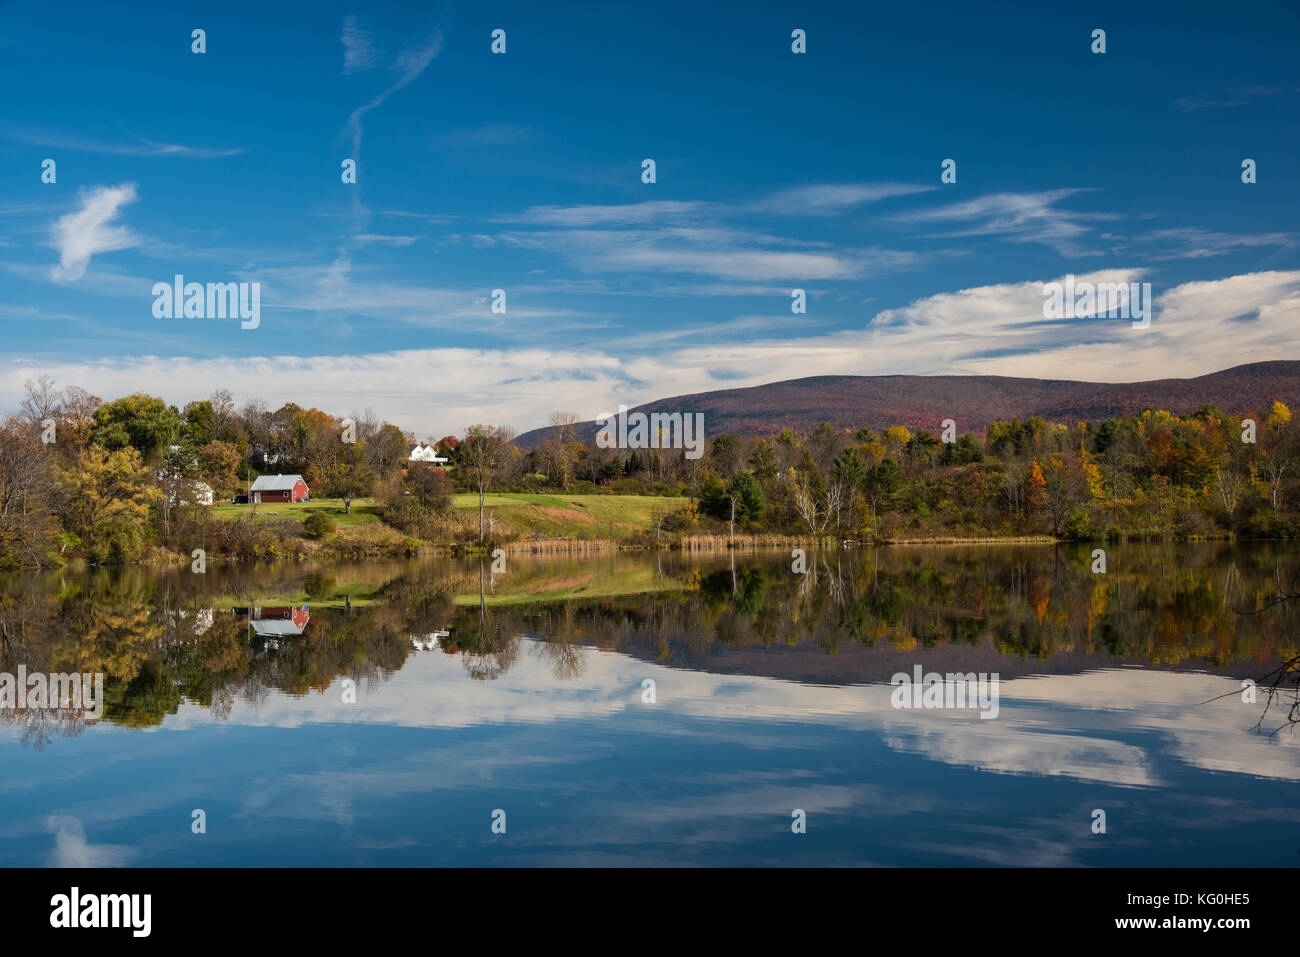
(276, 483)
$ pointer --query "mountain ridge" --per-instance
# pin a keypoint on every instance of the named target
(973, 401)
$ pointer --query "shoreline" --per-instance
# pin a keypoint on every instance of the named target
(161, 557)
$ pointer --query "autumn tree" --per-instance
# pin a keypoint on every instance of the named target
(26, 530)
(762, 461)
(556, 452)
(348, 475)
(219, 465)
(104, 499)
(386, 450)
(1279, 452)
(1063, 490)
(429, 486)
(142, 422)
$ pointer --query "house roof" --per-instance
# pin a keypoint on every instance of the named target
(276, 483)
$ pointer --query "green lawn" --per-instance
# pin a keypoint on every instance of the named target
(364, 510)
(584, 517)
(571, 516)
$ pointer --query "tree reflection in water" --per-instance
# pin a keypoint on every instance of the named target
(164, 636)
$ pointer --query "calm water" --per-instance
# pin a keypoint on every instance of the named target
(526, 693)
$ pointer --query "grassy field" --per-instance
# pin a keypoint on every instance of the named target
(364, 510)
(531, 517)
(572, 516)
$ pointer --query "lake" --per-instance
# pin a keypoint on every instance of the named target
(660, 709)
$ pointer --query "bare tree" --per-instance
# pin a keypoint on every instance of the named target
(366, 423)
(658, 515)
(556, 449)
(483, 452)
(1229, 484)
(41, 400)
(256, 419)
(816, 515)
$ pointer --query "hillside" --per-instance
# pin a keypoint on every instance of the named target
(973, 401)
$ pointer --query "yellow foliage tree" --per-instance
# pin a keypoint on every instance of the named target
(104, 500)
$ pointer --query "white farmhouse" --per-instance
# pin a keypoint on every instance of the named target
(180, 491)
(419, 452)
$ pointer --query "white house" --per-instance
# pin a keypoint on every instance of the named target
(180, 490)
(200, 493)
(187, 491)
(428, 642)
(419, 452)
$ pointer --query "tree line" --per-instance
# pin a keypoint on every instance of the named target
(1155, 474)
(107, 481)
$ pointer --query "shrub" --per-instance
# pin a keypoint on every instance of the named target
(318, 525)
(429, 486)
(688, 516)
(1077, 527)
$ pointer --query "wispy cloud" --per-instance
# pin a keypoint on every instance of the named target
(1197, 242)
(824, 199)
(81, 234)
(408, 65)
(627, 214)
(833, 199)
(141, 147)
(1238, 96)
(359, 52)
(375, 239)
(728, 254)
(489, 135)
(1018, 217)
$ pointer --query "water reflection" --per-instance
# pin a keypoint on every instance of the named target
(162, 637)
(1119, 690)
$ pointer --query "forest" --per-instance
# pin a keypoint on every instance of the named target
(114, 482)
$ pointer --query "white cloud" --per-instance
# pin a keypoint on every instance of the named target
(82, 234)
(1197, 242)
(1197, 328)
(627, 214)
(71, 849)
(1106, 705)
(359, 51)
(823, 199)
(375, 239)
(140, 148)
(410, 63)
(724, 253)
(1018, 217)
(751, 264)
(831, 199)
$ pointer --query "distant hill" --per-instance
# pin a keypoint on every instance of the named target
(921, 402)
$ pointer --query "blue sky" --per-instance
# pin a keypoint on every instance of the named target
(522, 171)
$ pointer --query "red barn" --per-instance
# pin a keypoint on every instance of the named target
(279, 488)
